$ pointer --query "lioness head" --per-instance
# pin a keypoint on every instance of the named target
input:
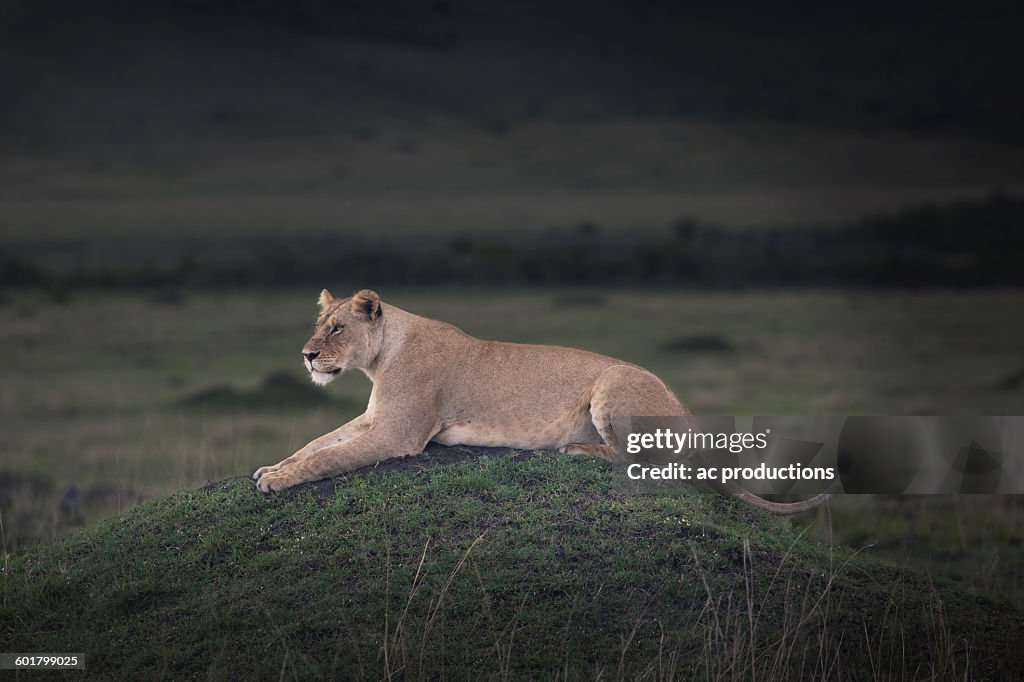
(348, 334)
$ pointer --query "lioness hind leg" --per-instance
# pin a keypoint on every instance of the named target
(620, 393)
(624, 392)
(589, 450)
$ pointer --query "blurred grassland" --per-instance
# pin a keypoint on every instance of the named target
(110, 399)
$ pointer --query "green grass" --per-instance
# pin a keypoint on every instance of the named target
(112, 420)
(974, 540)
(495, 567)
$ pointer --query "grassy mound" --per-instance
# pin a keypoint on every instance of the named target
(473, 564)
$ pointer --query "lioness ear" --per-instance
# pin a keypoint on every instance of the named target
(325, 299)
(366, 303)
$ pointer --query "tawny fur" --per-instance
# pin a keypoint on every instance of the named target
(433, 382)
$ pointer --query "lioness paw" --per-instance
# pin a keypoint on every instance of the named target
(276, 480)
(259, 473)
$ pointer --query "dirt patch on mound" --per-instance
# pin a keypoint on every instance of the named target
(434, 455)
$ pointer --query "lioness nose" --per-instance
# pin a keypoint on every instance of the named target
(311, 355)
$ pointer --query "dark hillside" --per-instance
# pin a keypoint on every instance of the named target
(518, 567)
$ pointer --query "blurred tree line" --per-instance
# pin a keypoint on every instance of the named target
(959, 245)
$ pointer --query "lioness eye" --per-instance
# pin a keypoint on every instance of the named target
(336, 328)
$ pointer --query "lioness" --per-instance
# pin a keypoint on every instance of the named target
(433, 382)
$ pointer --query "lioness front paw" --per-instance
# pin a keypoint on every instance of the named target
(259, 473)
(277, 480)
